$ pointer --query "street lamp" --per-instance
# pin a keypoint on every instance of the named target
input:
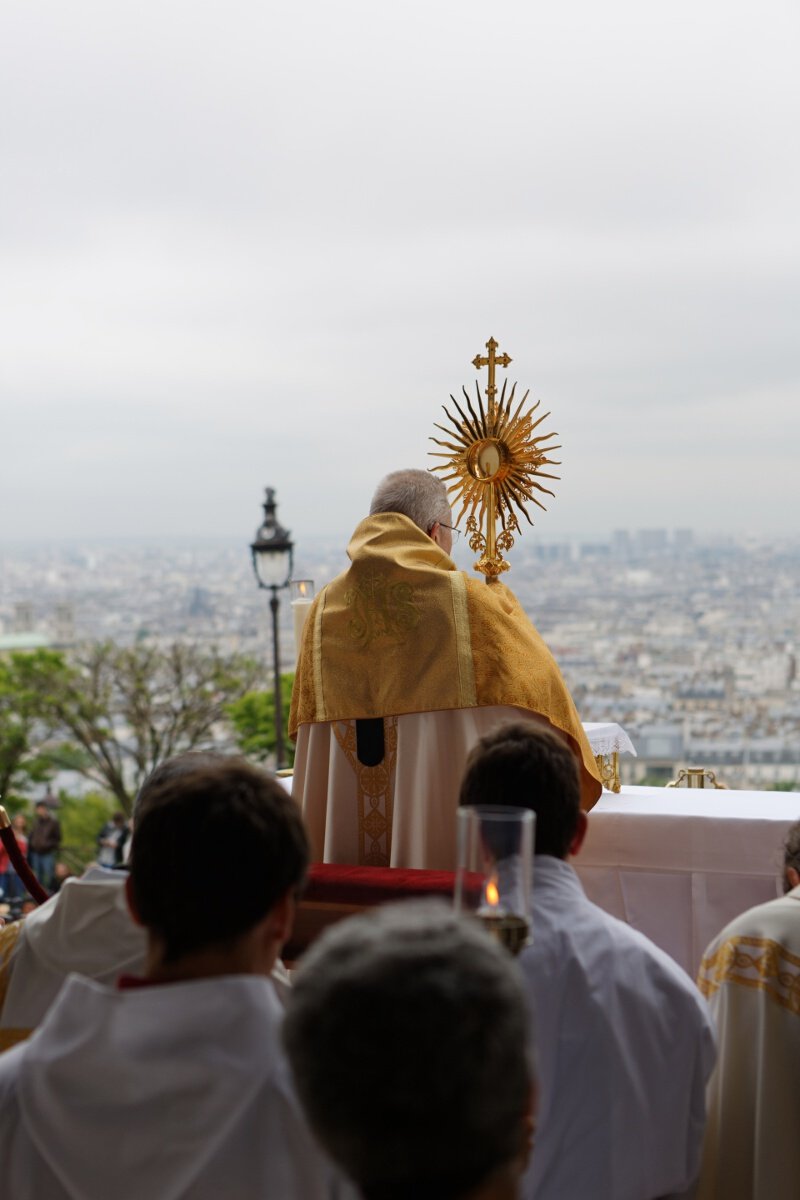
(272, 562)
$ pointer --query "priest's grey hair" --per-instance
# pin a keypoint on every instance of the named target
(409, 1036)
(418, 495)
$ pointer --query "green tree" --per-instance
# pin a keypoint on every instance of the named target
(119, 711)
(253, 720)
(82, 818)
(24, 726)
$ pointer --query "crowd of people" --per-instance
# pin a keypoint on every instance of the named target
(411, 1056)
(153, 1042)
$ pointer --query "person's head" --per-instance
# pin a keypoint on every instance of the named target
(422, 498)
(19, 823)
(217, 856)
(171, 768)
(118, 819)
(408, 1036)
(42, 810)
(528, 765)
(791, 858)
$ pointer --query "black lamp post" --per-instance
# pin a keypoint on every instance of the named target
(272, 562)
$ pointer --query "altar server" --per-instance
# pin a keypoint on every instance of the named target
(173, 1085)
(85, 928)
(405, 662)
(751, 976)
(624, 1040)
(408, 1036)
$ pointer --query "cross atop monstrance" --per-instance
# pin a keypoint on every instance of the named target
(493, 463)
(491, 360)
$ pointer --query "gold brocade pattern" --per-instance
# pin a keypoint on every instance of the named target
(8, 940)
(375, 797)
(381, 610)
(466, 671)
(755, 963)
(13, 1037)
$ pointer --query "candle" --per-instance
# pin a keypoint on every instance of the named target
(491, 906)
(302, 599)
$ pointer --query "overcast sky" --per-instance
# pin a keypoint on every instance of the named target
(256, 243)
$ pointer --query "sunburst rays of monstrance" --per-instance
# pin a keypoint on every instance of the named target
(494, 463)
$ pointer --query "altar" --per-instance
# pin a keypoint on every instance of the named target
(676, 864)
(679, 864)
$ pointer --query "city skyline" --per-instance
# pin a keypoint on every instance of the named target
(692, 647)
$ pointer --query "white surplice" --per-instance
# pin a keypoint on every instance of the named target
(751, 975)
(86, 929)
(402, 813)
(167, 1092)
(624, 1049)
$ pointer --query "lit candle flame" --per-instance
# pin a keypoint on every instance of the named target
(302, 587)
(492, 894)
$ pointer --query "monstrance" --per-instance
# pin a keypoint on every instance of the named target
(493, 463)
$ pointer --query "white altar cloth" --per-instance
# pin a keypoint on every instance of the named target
(606, 737)
(679, 863)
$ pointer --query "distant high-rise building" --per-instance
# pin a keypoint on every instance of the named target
(651, 541)
(683, 539)
(22, 621)
(64, 624)
(621, 544)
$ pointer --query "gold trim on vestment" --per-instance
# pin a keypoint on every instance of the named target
(466, 671)
(774, 970)
(375, 796)
(319, 694)
(9, 935)
(8, 940)
(12, 1037)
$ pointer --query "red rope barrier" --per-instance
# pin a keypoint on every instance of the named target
(18, 860)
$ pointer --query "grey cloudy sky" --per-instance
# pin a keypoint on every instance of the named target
(247, 243)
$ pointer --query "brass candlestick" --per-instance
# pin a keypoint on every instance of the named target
(510, 931)
(493, 464)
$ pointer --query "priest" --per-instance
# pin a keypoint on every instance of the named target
(405, 662)
(751, 976)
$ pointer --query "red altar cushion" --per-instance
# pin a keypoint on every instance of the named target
(335, 884)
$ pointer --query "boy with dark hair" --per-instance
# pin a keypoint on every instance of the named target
(85, 928)
(625, 1043)
(174, 1083)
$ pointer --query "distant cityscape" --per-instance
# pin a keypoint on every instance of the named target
(690, 644)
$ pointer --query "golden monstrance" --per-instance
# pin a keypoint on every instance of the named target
(495, 463)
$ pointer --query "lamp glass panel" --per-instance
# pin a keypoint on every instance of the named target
(273, 566)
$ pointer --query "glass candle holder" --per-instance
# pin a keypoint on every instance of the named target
(494, 876)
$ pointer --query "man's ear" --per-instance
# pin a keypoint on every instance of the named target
(281, 917)
(580, 833)
(793, 877)
(132, 909)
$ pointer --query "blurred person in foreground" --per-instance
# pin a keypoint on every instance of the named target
(751, 976)
(405, 661)
(624, 1040)
(407, 1033)
(85, 928)
(174, 1083)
